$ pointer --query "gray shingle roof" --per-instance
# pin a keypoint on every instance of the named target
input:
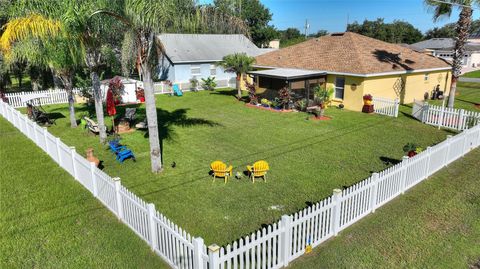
(442, 44)
(184, 48)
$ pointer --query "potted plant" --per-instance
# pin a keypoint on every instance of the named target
(412, 149)
(277, 104)
(322, 98)
(368, 99)
(194, 84)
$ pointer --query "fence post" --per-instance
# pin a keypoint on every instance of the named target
(118, 197)
(198, 253)
(428, 151)
(440, 121)
(151, 221)
(285, 238)
(460, 120)
(57, 143)
(337, 194)
(74, 167)
(404, 173)
(397, 107)
(446, 161)
(45, 138)
(214, 256)
(94, 179)
(374, 191)
(424, 112)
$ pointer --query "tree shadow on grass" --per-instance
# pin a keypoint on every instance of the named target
(229, 92)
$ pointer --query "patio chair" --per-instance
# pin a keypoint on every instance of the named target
(124, 154)
(220, 169)
(92, 125)
(115, 146)
(258, 169)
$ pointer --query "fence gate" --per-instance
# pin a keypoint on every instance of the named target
(418, 109)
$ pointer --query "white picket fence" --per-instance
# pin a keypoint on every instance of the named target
(49, 97)
(163, 88)
(386, 106)
(178, 248)
(272, 247)
(286, 240)
(452, 118)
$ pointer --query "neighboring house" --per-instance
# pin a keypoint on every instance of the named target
(353, 65)
(444, 48)
(190, 56)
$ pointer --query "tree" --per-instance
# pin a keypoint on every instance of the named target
(45, 46)
(448, 30)
(319, 33)
(145, 19)
(256, 16)
(442, 9)
(395, 32)
(240, 64)
(87, 37)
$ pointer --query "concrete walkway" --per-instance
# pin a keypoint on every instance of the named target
(464, 79)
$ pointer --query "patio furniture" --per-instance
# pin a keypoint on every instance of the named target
(176, 90)
(92, 125)
(258, 169)
(115, 146)
(130, 114)
(142, 125)
(220, 169)
(124, 154)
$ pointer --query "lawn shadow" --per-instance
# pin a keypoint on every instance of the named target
(232, 92)
(389, 161)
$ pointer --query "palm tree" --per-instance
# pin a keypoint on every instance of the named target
(444, 9)
(147, 18)
(35, 39)
(240, 64)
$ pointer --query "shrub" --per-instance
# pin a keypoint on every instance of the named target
(252, 93)
(209, 83)
(285, 97)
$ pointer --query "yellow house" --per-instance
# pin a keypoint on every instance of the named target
(353, 65)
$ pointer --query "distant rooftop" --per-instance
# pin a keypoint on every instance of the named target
(442, 44)
(188, 48)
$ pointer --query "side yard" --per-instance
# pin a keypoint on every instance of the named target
(468, 96)
(48, 220)
(435, 225)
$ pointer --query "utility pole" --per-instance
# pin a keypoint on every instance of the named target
(307, 26)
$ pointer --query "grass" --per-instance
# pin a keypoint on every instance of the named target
(473, 74)
(308, 159)
(434, 225)
(468, 96)
(48, 220)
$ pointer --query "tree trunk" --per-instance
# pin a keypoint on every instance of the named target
(151, 109)
(67, 83)
(97, 95)
(462, 29)
(239, 87)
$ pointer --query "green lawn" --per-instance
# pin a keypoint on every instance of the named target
(434, 225)
(308, 159)
(48, 220)
(468, 96)
(473, 74)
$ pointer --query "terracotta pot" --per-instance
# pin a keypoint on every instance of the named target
(91, 158)
(411, 153)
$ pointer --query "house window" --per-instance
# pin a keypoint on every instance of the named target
(339, 87)
(426, 77)
(195, 70)
(213, 70)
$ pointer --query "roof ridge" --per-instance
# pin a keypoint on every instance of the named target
(357, 55)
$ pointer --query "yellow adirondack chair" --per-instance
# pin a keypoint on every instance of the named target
(258, 169)
(220, 169)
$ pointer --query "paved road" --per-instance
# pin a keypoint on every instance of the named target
(463, 79)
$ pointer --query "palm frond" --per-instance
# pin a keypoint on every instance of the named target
(31, 26)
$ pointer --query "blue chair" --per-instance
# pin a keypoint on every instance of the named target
(125, 154)
(115, 146)
(176, 90)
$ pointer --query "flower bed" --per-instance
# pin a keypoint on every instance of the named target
(270, 109)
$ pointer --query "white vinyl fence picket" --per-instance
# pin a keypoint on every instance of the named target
(274, 246)
(58, 96)
(385, 106)
(452, 118)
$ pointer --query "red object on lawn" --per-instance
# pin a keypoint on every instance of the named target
(111, 104)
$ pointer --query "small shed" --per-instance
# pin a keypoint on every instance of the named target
(130, 86)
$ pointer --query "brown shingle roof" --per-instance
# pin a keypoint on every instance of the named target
(350, 53)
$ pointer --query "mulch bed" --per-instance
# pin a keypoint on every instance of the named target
(270, 109)
(321, 118)
(477, 106)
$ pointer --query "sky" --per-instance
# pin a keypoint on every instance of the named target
(332, 15)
